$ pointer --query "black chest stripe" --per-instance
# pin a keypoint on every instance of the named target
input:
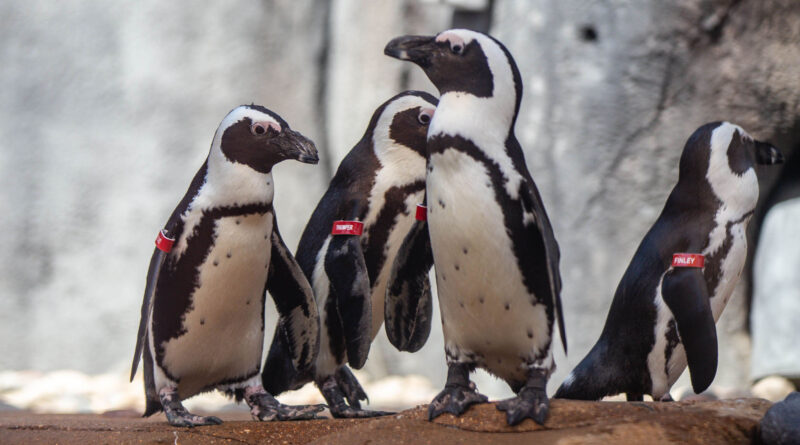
(180, 277)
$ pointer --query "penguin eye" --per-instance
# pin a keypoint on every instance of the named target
(259, 129)
(424, 117)
(457, 48)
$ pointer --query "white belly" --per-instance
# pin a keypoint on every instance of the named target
(663, 377)
(224, 336)
(487, 314)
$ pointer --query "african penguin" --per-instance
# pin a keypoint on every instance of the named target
(375, 191)
(495, 255)
(202, 325)
(681, 276)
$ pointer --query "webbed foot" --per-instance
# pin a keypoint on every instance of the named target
(344, 395)
(530, 403)
(177, 415)
(265, 407)
(458, 395)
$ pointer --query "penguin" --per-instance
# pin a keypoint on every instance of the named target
(202, 322)
(663, 314)
(495, 255)
(373, 195)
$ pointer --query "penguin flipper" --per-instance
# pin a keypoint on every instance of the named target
(156, 261)
(347, 272)
(409, 305)
(686, 294)
(543, 240)
(298, 325)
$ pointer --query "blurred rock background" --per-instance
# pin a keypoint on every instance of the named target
(108, 110)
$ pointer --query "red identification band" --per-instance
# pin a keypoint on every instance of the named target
(688, 260)
(422, 213)
(347, 228)
(163, 243)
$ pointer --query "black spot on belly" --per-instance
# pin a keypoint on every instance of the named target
(202, 322)
(456, 267)
(441, 204)
(444, 278)
(430, 168)
(480, 299)
(530, 333)
(238, 222)
(461, 303)
(508, 306)
(228, 255)
(247, 303)
(465, 251)
(215, 263)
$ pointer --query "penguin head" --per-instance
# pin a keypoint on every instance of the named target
(402, 123)
(254, 136)
(463, 61)
(724, 155)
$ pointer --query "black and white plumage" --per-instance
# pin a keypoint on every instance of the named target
(663, 317)
(379, 183)
(493, 246)
(202, 325)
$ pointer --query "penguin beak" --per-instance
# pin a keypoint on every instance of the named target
(768, 154)
(296, 146)
(417, 49)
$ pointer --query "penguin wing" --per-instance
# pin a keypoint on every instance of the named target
(350, 287)
(298, 322)
(686, 294)
(408, 306)
(543, 246)
(156, 261)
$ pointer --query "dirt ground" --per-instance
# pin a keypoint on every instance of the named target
(570, 422)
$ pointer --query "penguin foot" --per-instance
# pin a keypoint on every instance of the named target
(265, 407)
(344, 394)
(177, 415)
(530, 403)
(350, 387)
(455, 399)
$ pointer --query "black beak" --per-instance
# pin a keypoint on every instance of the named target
(768, 154)
(296, 146)
(416, 49)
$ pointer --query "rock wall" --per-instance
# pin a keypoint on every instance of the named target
(108, 112)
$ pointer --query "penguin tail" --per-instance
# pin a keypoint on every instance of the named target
(151, 407)
(592, 379)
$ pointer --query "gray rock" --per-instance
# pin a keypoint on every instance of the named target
(781, 423)
(776, 294)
